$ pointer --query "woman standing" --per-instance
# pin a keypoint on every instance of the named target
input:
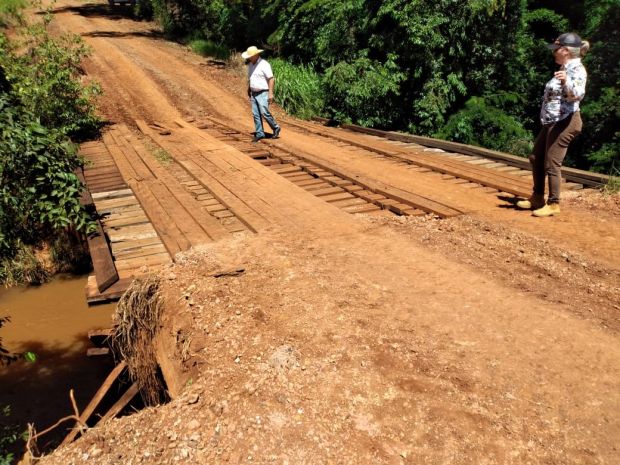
(561, 122)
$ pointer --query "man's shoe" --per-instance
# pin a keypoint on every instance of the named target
(548, 210)
(276, 132)
(255, 139)
(535, 202)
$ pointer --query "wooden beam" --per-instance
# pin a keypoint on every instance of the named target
(121, 403)
(101, 255)
(96, 400)
(571, 174)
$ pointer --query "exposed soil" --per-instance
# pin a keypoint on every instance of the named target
(487, 338)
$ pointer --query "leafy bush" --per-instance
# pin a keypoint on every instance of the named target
(487, 126)
(208, 48)
(412, 65)
(298, 89)
(600, 141)
(47, 80)
(39, 191)
(41, 104)
(364, 91)
(9, 435)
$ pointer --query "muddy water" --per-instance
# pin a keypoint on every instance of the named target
(52, 322)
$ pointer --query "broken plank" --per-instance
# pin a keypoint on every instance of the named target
(95, 401)
(121, 403)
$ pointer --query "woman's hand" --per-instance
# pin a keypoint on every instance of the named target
(560, 76)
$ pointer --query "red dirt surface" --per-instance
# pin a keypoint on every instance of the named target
(490, 338)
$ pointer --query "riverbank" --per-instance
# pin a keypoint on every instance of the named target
(51, 321)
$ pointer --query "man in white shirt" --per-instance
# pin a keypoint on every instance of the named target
(260, 91)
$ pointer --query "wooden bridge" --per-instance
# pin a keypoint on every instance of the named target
(177, 185)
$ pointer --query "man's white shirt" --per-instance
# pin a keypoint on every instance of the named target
(259, 74)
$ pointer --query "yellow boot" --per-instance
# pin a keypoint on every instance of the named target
(535, 202)
(548, 210)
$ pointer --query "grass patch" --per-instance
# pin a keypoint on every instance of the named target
(23, 268)
(10, 10)
(160, 154)
(298, 89)
(207, 48)
(613, 185)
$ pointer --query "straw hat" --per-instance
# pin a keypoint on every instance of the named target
(250, 52)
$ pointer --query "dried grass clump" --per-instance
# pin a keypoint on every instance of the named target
(137, 318)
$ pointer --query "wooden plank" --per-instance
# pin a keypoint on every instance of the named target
(141, 252)
(113, 194)
(97, 351)
(125, 168)
(143, 260)
(338, 196)
(241, 210)
(326, 168)
(348, 202)
(192, 231)
(86, 198)
(571, 174)
(361, 208)
(311, 182)
(103, 263)
(198, 225)
(326, 191)
(170, 235)
(121, 403)
(117, 202)
(95, 401)
(114, 292)
(486, 176)
(125, 162)
(128, 221)
(125, 246)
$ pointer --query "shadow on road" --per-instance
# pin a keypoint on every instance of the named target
(114, 13)
(101, 10)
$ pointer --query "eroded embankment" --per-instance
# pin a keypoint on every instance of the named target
(365, 349)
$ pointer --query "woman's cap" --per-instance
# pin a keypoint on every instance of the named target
(250, 52)
(569, 39)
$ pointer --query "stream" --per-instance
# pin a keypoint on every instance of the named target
(50, 323)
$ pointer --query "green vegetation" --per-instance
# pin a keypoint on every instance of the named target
(162, 156)
(299, 89)
(43, 107)
(9, 435)
(613, 186)
(470, 71)
(208, 48)
(22, 266)
(10, 11)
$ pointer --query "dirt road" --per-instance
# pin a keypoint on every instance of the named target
(487, 338)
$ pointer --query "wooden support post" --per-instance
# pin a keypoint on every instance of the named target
(121, 403)
(95, 401)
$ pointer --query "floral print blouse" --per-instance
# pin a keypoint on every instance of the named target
(560, 101)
